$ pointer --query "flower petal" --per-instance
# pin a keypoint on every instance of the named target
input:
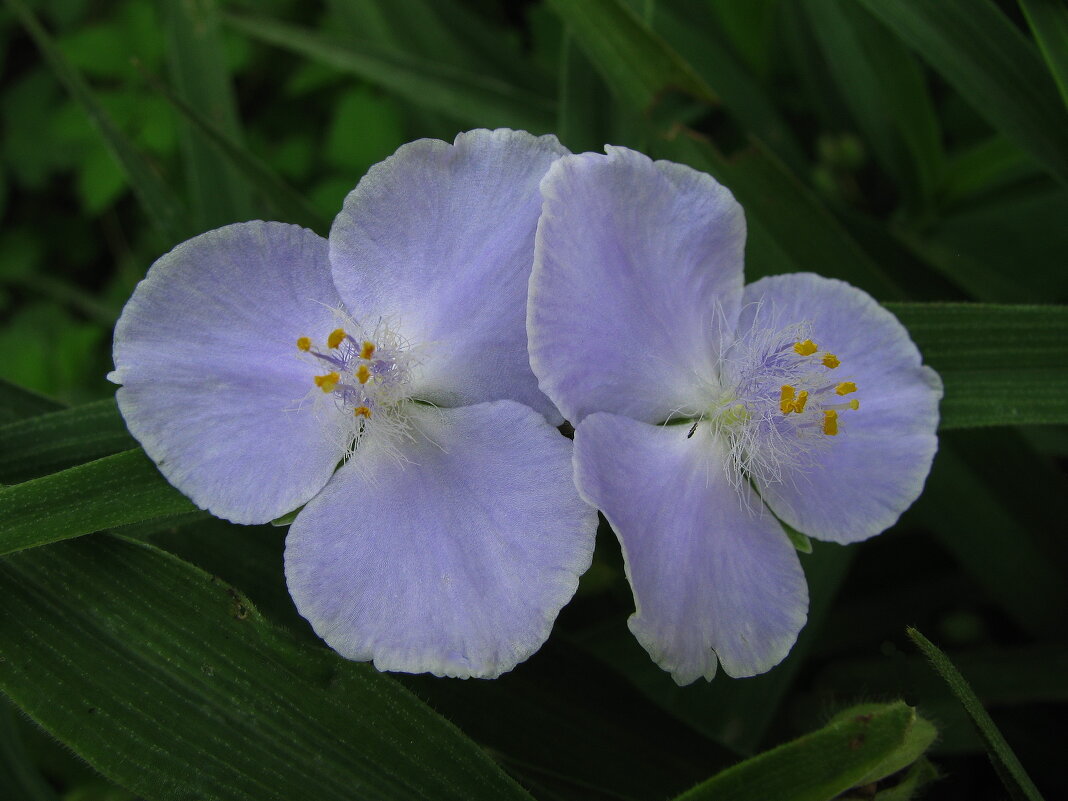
(710, 567)
(439, 238)
(206, 354)
(637, 276)
(877, 464)
(454, 558)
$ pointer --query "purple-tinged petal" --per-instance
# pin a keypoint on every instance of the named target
(637, 280)
(450, 553)
(875, 467)
(439, 239)
(712, 571)
(212, 385)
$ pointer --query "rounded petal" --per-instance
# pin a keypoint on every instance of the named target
(212, 386)
(875, 467)
(451, 553)
(712, 571)
(637, 279)
(439, 239)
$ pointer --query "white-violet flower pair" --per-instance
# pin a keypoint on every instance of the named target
(381, 379)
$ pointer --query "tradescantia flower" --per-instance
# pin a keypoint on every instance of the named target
(799, 397)
(255, 358)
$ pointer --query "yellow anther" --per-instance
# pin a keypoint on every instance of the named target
(368, 350)
(854, 404)
(830, 360)
(304, 343)
(830, 422)
(845, 388)
(786, 399)
(362, 374)
(806, 348)
(337, 336)
(788, 402)
(362, 411)
(327, 382)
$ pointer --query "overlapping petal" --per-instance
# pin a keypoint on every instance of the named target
(637, 279)
(452, 552)
(438, 238)
(712, 571)
(211, 383)
(876, 466)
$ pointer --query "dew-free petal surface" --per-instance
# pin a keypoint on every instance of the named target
(637, 277)
(212, 386)
(712, 571)
(453, 559)
(439, 238)
(877, 464)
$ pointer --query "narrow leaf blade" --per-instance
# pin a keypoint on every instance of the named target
(1012, 773)
(170, 683)
(818, 766)
(113, 491)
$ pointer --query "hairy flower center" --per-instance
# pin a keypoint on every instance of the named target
(367, 377)
(784, 398)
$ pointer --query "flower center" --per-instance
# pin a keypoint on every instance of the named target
(785, 398)
(366, 376)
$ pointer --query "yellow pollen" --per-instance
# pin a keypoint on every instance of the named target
(362, 411)
(327, 382)
(830, 361)
(786, 399)
(368, 350)
(806, 348)
(789, 403)
(362, 374)
(304, 343)
(830, 422)
(845, 388)
(854, 404)
(336, 337)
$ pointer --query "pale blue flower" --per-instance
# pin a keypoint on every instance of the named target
(255, 358)
(803, 400)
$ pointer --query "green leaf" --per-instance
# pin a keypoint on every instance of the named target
(818, 766)
(982, 54)
(19, 778)
(44, 444)
(921, 773)
(474, 99)
(917, 740)
(696, 36)
(1049, 23)
(219, 194)
(157, 199)
(885, 90)
(115, 490)
(800, 542)
(17, 403)
(1001, 365)
(1009, 769)
(289, 205)
(171, 683)
(636, 63)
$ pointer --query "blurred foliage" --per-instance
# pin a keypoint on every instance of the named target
(914, 148)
